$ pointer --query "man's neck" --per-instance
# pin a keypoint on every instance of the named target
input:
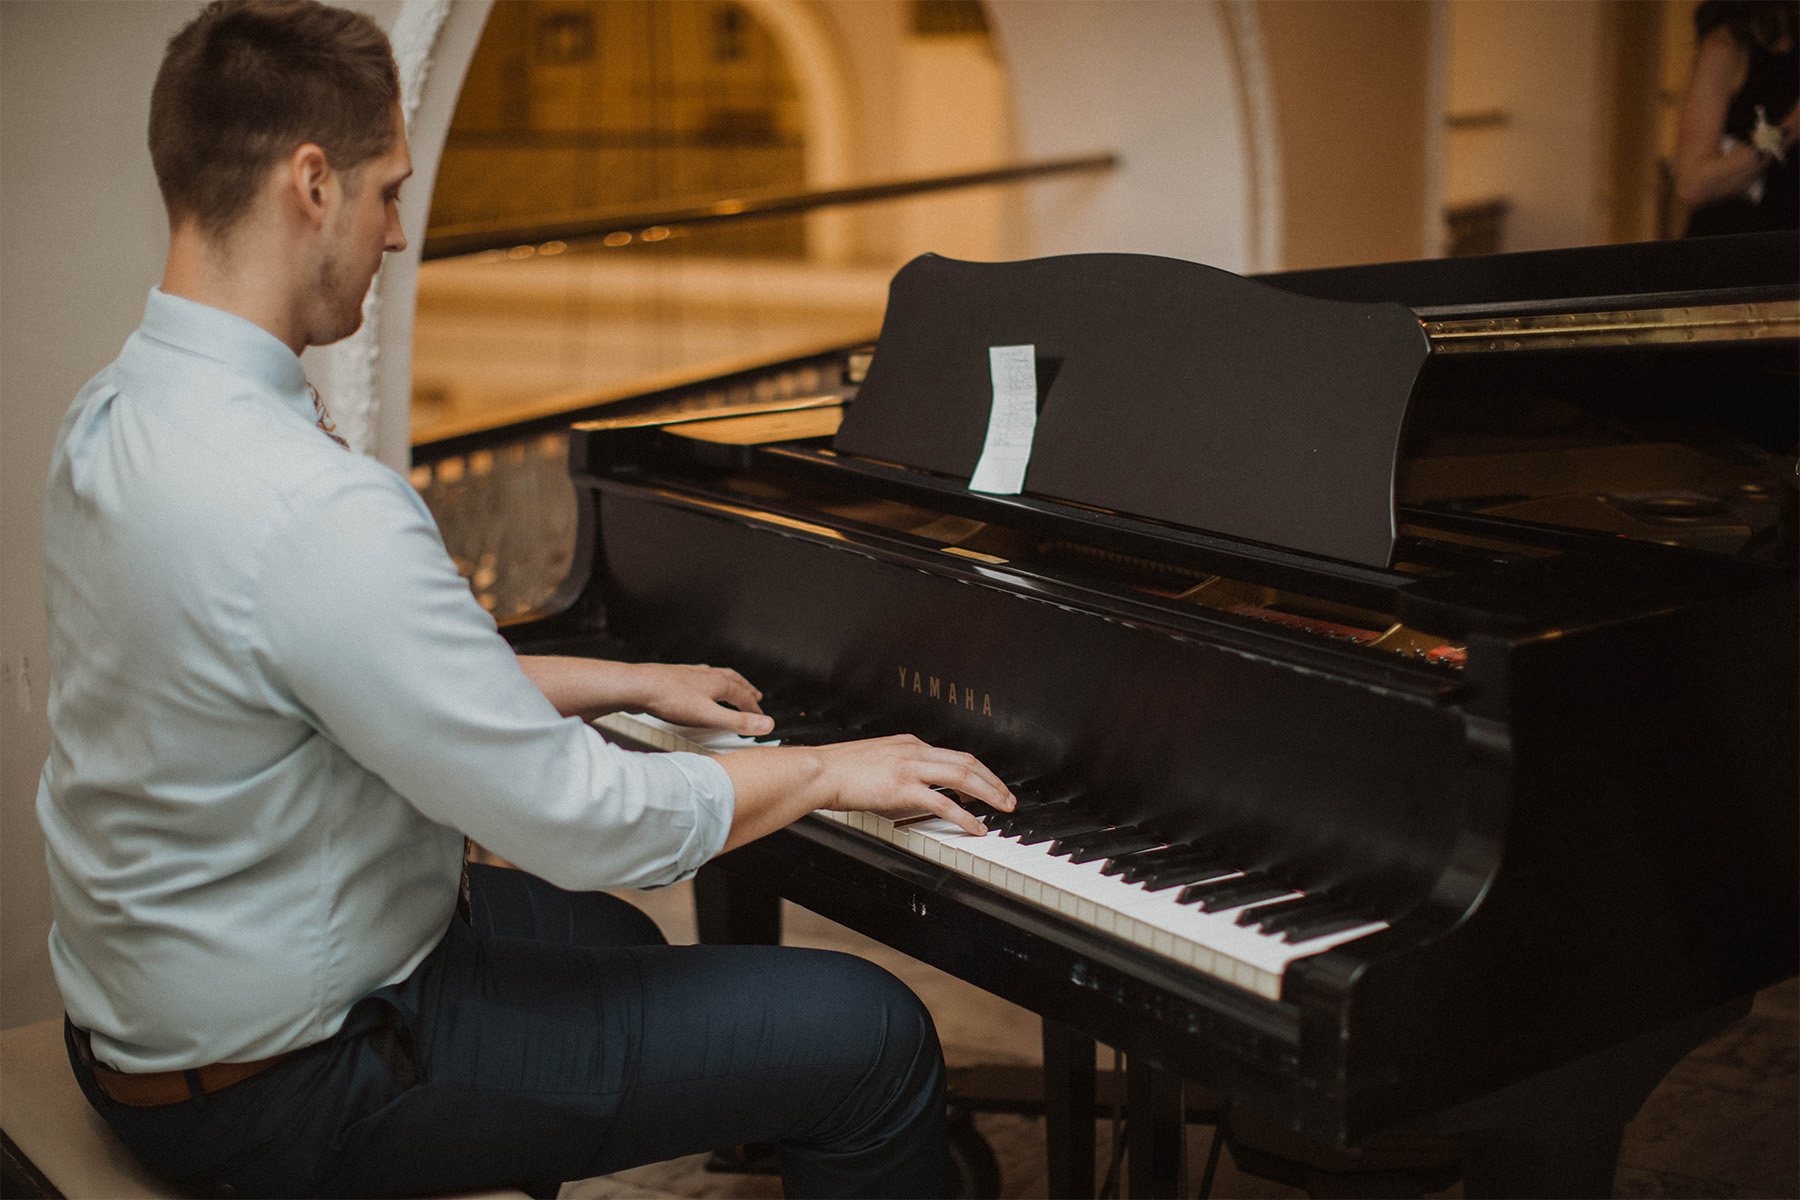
(218, 273)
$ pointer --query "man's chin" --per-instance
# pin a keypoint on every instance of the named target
(338, 332)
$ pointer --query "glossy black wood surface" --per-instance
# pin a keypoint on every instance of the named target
(1166, 388)
(1744, 266)
(1551, 839)
(1583, 836)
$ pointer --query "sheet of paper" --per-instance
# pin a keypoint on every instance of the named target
(1012, 422)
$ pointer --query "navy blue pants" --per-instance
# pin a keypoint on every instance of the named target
(559, 1037)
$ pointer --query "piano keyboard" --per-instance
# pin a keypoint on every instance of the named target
(1212, 942)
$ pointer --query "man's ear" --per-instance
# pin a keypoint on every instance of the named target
(310, 182)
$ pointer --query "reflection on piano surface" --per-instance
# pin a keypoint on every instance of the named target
(1182, 902)
(1365, 815)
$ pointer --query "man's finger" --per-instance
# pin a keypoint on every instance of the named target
(966, 774)
(745, 683)
(953, 812)
(736, 691)
(750, 724)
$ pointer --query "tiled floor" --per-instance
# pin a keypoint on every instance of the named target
(1725, 1123)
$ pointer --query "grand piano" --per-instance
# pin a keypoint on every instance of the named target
(1396, 667)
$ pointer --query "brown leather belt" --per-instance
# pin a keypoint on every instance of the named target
(151, 1089)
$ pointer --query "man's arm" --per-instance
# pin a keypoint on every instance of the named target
(373, 638)
(714, 697)
(884, 775)
(776, 786)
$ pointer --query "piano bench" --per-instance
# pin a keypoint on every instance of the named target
(52, 1142)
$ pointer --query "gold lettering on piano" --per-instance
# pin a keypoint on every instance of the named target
(936, 687)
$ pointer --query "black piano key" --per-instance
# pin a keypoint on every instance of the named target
(1230, 893)
(1144, 860)
(1055, 810)
(1015, 822)
(1039, 795)
(1031, 778)
(1273, 918)
(1024, 816)
(1196, 892)
(1084, 848)
(1323, 923)
(986, 813)
(1065, 826)
(1001, 823)
(1181, 873)
(1045, 827)
(1028, 810)
(1095, 853)
(1069, 843)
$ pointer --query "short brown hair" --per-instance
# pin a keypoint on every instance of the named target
(248, 81)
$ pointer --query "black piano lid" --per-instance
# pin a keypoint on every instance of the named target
(1748, 266)
(1167, 389)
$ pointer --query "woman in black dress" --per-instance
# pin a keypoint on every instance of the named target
(1736, 165)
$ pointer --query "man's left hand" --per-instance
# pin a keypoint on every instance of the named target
(709, 697)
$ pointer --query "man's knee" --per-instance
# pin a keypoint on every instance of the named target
(858, 981)
(902, 1043)
(881, 1129)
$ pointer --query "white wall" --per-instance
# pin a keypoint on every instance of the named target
(867, 35)
(955, 115)
(1542, 64)
(1153, 80)
(82, 237)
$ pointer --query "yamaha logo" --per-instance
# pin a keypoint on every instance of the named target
(931, 687)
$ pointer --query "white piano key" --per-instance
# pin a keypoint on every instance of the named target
(1213, 943)
(666, 735)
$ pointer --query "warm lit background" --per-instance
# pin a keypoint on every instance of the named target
(1396, 130)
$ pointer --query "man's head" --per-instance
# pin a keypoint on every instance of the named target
(276, 132)
(248, 81)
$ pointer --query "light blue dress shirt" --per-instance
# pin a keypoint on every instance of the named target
(276, 710)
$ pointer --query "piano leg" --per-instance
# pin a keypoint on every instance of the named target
(732, 909)
(1068, 1111)
(1154, 1130)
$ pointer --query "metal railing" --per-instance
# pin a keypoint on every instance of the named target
(623, 227)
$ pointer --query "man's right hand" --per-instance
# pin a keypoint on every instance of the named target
(890, 775)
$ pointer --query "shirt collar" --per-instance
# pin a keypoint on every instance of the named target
(229, 339)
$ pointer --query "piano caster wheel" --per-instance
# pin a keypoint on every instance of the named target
(974, 1171)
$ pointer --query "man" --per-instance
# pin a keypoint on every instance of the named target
(277, 711)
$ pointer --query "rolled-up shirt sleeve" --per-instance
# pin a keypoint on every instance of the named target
(373, 637)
